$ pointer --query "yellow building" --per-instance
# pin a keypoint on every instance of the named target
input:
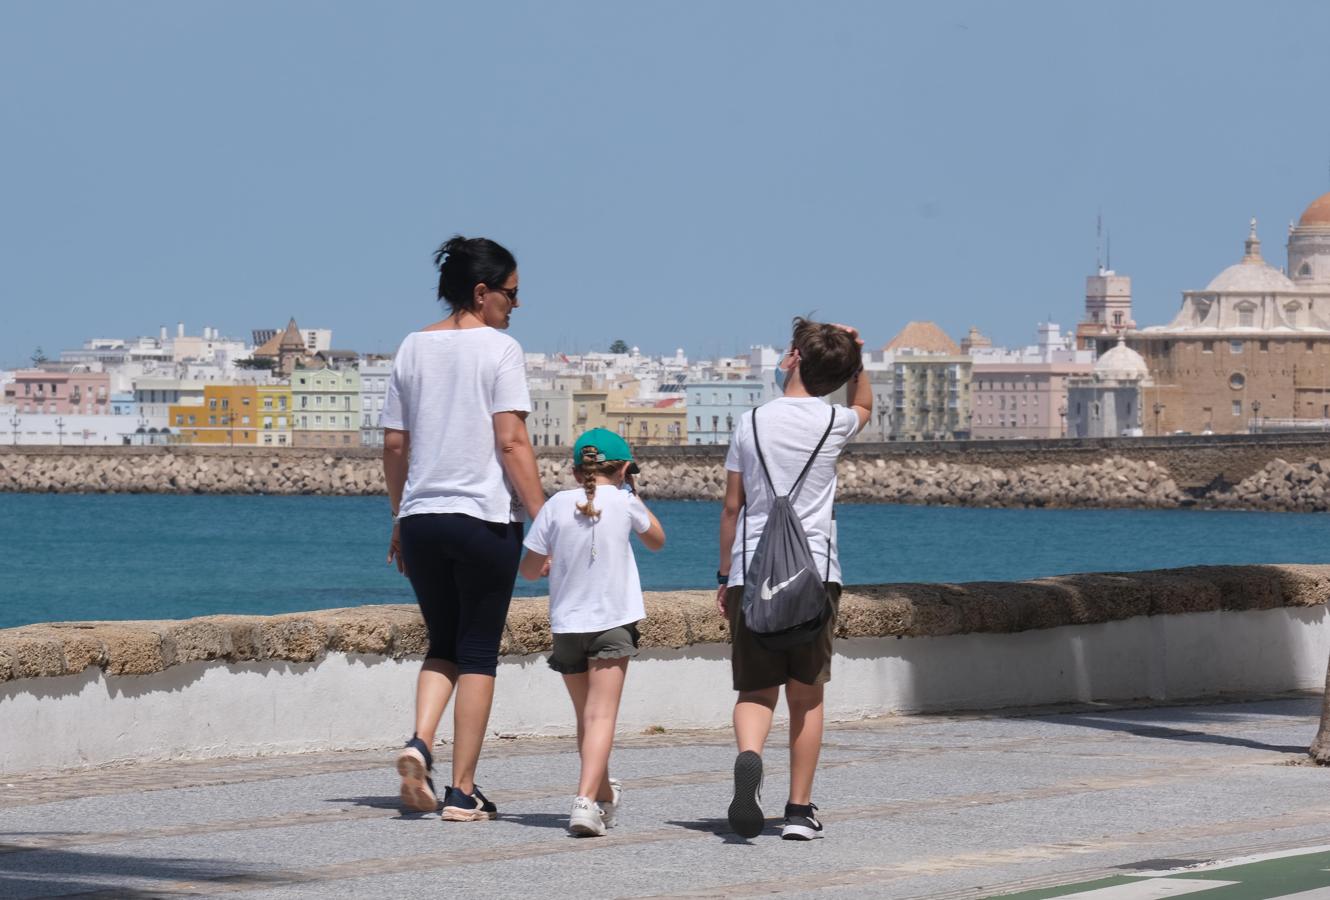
(276, 420)
(661, 424)
(229, 415)
(589, 410)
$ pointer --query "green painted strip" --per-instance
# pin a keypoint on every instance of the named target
(1063, 890)
(1255, 881)
(1268, 878)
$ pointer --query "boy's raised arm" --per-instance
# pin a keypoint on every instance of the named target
(861, 396)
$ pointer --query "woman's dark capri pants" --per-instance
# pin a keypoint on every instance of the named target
(462, 570)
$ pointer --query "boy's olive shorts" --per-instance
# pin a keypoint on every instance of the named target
(572, 650)
(755, 667)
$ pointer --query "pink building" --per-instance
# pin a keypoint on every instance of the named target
(1020, 400)
(1023, 393)
(64, 393)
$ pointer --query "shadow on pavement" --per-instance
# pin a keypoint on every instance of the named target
(44, 873)
(719, 827)
(1140, 729)
(392, 803)
(535, 820)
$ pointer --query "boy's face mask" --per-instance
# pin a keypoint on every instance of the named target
(782, 373)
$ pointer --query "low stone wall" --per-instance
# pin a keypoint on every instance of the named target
(1282, 472)
(86, 694)
(674, 619)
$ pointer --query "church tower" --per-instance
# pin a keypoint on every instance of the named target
(1107, 309)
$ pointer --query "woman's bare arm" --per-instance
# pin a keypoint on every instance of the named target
(396, 452)
(519, 459)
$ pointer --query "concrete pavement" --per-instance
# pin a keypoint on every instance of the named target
(1049, 803)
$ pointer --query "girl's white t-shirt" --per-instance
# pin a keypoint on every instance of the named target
(445, 388)
(591, 591)
(789, 428)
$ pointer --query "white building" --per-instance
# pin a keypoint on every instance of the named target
(1107, 403)
(374, 375)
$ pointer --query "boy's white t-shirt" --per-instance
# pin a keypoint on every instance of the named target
(591, 593)
(445, 388)
(789, 428)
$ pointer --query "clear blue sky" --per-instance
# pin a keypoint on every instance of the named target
(675, 174)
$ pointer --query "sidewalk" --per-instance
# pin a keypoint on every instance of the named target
(927, 806)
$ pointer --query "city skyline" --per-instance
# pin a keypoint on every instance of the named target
(670, 179)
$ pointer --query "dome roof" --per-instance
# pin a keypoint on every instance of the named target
(1318, 213)
(1121, 362)
(1251, 277)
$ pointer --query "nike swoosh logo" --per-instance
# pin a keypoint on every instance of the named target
(768, 591)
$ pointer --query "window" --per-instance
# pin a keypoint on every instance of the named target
(304, 402)
(1237, 407)
(1264, 346)
(244, 420)
(1311, 345)
(244, 401)
(1207, 346)
(212, 420)
(226, 404)
(212, 403)
(1237, 381)
(1235, 346)
(1305, 269)
(1246, 315)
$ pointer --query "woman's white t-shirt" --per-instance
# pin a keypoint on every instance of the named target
(591, 591)
(445, 388)
(789, 428)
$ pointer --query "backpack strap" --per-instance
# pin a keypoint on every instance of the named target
(757, 445)
(811, 459)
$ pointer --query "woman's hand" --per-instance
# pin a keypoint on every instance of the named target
(395, 548)
(720, 601)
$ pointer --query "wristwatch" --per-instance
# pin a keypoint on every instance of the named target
(722, 578)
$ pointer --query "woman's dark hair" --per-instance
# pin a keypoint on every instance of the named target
(464, 263)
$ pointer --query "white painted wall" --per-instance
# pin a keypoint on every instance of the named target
(363, 702)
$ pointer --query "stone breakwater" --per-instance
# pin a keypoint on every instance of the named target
(1281, 486)
(953, 478)
(674, 619)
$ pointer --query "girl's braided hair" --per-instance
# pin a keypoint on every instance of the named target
(586, 470)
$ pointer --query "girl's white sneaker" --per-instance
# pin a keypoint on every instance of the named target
(611, 809)
(587, 819)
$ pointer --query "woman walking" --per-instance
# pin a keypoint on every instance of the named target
(459, 467)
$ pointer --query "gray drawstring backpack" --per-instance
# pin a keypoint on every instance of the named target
(785, 601)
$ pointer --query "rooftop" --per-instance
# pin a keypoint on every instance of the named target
(926, 336)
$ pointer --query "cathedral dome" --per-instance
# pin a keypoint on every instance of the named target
(1253, 275)
(1318, 213)
(1257, 277)
(1121, 362)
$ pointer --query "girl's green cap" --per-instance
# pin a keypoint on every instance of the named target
(609, 447)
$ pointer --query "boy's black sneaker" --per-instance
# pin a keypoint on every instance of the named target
(801, 823)
(414, 764)
(746, 817)
(473, 807)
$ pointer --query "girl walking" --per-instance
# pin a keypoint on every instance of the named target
(582, 535)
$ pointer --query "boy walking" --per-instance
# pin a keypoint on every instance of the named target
(770, 448)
